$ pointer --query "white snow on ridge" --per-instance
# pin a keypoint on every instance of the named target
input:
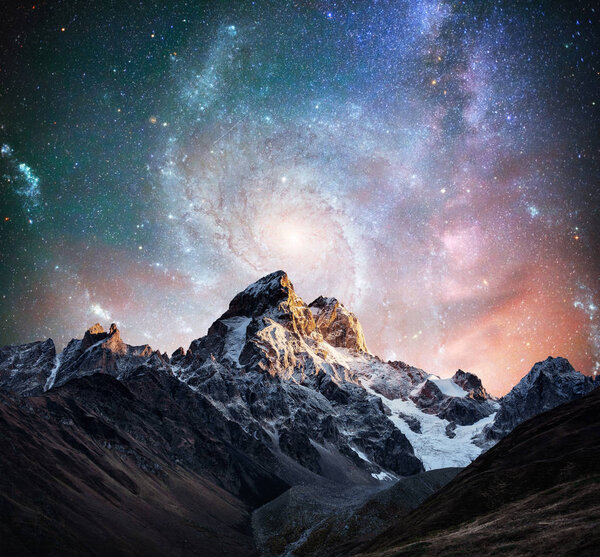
(360, 453)
(53, 373)
(448, 387)
(432, 446)
(339, 355)
(381, 476)
(236, 337)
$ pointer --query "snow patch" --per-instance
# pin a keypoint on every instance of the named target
(361, 454)
(54, 372)
(382, 476)
(236, 337)
(448, 387)
(432, 446)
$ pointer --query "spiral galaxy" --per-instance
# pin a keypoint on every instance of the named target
(430, 164)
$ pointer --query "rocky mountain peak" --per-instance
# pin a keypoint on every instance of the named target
(553, 366)
(549, 383)
(338, 326)
(96, 334)
(274, 297)
(178, 355)
(549, 375)
(261, 296)
(114, 342)
(96, 329)
(471, 384)
(101, 352)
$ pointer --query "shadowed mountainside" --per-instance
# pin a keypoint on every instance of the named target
(307, 521)
(140, 467)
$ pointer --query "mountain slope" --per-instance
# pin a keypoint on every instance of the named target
(140, 467)
(307, 521)
(536, 492)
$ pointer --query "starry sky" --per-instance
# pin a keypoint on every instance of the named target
(434, 165)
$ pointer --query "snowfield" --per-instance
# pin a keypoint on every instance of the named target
(432, 446)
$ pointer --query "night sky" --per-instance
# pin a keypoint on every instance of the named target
(433, 165)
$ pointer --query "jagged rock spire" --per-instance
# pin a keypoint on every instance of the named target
(338, 326)
(96, 329)
(273, 296)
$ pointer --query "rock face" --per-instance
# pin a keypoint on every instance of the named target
(548, 384)
(272, 297)
(465, 411)
(26, 368)
(471, 384)
(338, 326)
(428, 396)
(461, 400)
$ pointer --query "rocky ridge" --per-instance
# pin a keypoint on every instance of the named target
(299, 378)
(548, 384)
(26, 368)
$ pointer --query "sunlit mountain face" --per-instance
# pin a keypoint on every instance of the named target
(433, 165)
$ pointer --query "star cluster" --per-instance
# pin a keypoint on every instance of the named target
(434, 165)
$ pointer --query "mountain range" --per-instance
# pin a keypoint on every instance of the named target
(275, 429)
